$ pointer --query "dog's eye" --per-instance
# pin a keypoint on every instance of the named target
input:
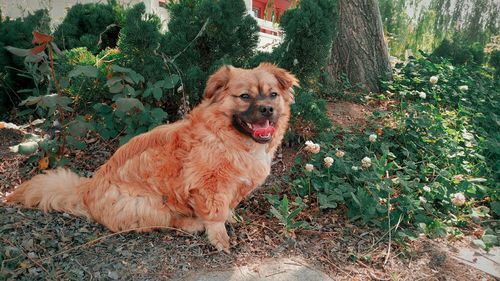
(245, 96)
(274, 94)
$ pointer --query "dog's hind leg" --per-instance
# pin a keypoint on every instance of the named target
(188, 224)
(119, 210)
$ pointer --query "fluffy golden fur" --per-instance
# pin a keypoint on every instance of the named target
(188, 174)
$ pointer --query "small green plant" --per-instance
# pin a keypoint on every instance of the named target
(17, 32)
(134, 111)
(287, 215)
(50, 103)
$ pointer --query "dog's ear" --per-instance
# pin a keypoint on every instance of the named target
(285, 79)
(217, 81)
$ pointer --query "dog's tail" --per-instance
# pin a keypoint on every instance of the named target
(55, 190)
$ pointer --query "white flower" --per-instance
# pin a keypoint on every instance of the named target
(309, 167)
(433, 80)
(463, 88)
(315, 149)
(403, 94)
(426, 188)
(366, 162)
(339, 153)
(354, 168)
(180, 89)
(295, 62)
(312, 147)
(422, 95)
(372, 138)
(328, 161)
(422, 199)
(458, 199)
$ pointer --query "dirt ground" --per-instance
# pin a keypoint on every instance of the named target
(38, 246)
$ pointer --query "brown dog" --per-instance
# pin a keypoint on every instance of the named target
(188, 174)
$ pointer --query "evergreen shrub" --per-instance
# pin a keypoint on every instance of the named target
(205, 34)
(94, 26)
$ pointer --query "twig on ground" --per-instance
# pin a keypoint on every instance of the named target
(390, 237)
(97, 240)
(374, 276)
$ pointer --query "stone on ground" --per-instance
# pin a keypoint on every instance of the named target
(283, 269)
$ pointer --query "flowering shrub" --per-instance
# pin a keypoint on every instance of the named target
(430, 162)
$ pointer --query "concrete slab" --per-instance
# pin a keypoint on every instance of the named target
(488, 262)
(283, 269)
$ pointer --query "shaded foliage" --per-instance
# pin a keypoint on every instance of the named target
(17, 33)
(460, 53)
(93, 25)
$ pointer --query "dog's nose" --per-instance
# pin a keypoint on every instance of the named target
(266, 110)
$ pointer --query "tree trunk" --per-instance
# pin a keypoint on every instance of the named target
(359, 50)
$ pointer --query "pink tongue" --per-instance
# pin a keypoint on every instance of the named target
(264, 130)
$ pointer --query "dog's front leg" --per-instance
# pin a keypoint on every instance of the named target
(213, 209)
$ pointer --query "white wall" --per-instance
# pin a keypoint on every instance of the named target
(58, 8)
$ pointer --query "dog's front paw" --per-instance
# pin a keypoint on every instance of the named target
(217, 235)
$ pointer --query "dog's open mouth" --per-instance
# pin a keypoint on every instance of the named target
(261, 131)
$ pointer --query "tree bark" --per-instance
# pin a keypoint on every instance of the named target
(359, 50)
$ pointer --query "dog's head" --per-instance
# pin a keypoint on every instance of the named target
(256, 100)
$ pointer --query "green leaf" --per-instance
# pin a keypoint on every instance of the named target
(326, 201)
(293, 214)
(277, 214)
(126, 104)
(117, 68)
(495, 207)
(356, 200)
(113, 80)
(116, 88)
(78, 127)
(284, 205)
(49, 101)
(147, 92)
(75, 143)
(85, 70)
(171, 81)
(129, 90)
(157, 93)
(158, 114)
(18, 51)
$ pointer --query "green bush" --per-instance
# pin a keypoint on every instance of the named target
(205, 34)
(436, 154)
(309, 117)
(94, 26)
(459, 53)
(17, 33)
(495, 62)
(84, 90)
(139, 43)
(309, 30)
